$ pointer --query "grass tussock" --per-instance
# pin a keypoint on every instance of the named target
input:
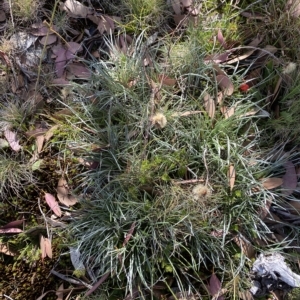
(162, 202)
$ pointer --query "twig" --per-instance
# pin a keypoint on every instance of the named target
(11, 13)
(44, 217)
(187, 113)
(206, 167)
(8, 297)
(188, 181)
(71, 280)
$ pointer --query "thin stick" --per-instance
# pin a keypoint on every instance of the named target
(71, 280)
(188, 181)
(44, 217)
(11, 13)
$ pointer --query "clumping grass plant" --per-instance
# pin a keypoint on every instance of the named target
(173, 186)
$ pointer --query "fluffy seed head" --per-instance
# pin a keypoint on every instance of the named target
(159, 120)
(200, 191)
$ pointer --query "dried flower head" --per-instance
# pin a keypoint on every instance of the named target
(159, 120)
(290, 68)
(200, 191)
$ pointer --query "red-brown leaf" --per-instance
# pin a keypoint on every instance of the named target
(221, 39)
(215, 286)
(10, 230)
(79, 70)
(13, 224)
(225, 84)
(48, 40)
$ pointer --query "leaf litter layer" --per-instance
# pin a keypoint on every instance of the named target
(162, 122)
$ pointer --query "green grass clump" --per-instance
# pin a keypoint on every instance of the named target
(160, 203)
(15, 175)
(143, 14)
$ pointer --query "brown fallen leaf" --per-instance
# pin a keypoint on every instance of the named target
(79, 70)
(39, 142)
(166, 80)
(246, 295)
(221, 39)
(49, 134)
(10, 230)
(41, 29)
(2, 16)
(35, 132)
(293, 7)
(215, 287)
(75, 9)
(176, 6)
(227, 111)
(231, 176)
(60, 81)
(295, 205)
(290, 179)
(107, 23)
(11, 137)
(264, 211)
(209, 105)
(13, 224)
(218, 58)
(48, 40)
(245, 245)
(42, 246)
(253, 44)
(271, 183)
(225, 84)
(5, 250)
(59, 293)
(63, 193)
(48, 247)
(53, 204)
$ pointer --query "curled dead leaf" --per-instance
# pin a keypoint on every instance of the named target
(60, 292)
(4, 248)
(245, 245)
(63, 193)
(11, 137)
(39, 142)
(293, 7)
(225, 84)
(75, 9)
(46, 248)
(209, 105)
(227, 111)
(53, 204)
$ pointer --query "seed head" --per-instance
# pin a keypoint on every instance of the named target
(201, 191)
(159, 120)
